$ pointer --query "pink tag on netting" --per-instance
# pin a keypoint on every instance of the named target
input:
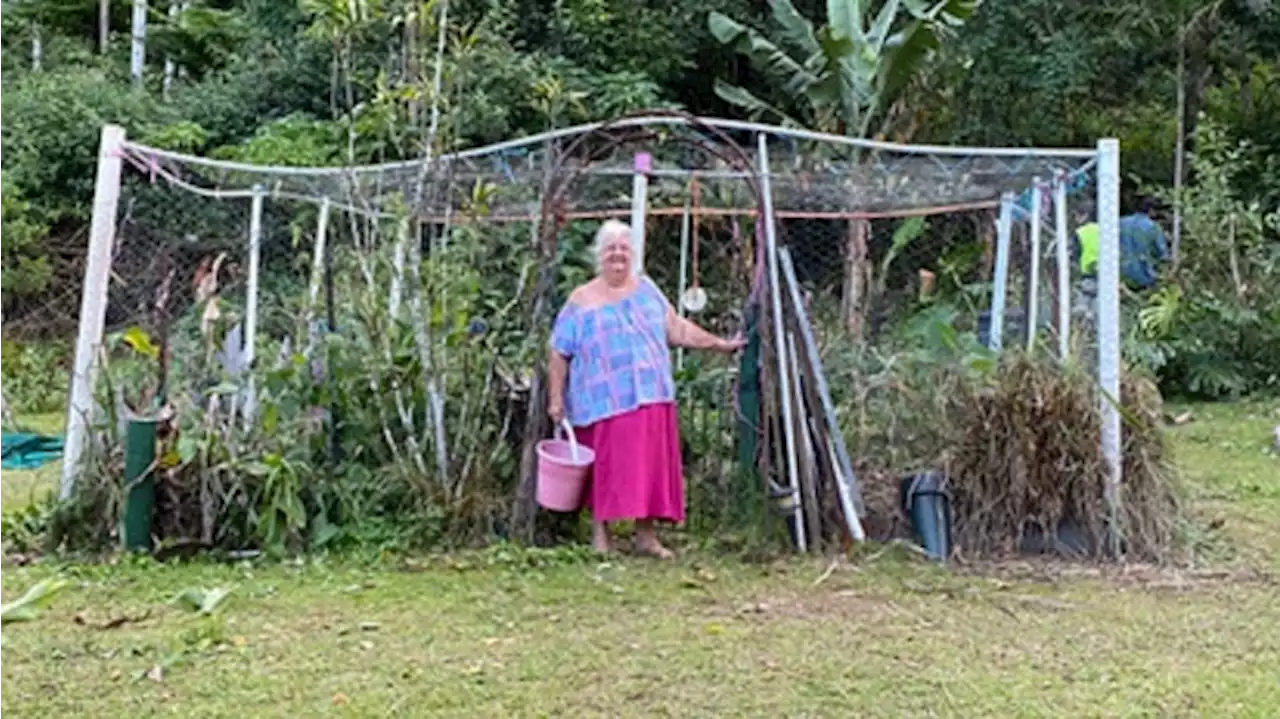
(644, 163)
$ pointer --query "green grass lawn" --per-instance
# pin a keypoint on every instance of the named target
(490, 634)
(1232, 471)
(23, 487)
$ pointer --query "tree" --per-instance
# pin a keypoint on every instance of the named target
(843, 77)
(847, 74)
(1199, 25)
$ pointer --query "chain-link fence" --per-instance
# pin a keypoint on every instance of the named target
(391, 321)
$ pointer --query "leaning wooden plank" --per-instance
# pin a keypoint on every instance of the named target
(847, 481)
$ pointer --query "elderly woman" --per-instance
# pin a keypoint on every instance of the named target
(610, 375)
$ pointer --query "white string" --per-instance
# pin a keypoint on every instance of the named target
(370, 210)
(667, 120)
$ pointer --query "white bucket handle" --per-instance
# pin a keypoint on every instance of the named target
(564, 428)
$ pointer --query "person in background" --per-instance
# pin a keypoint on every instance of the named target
(1142, 248)
(1086, 289)
(609, 374)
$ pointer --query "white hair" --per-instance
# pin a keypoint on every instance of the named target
(608, 231)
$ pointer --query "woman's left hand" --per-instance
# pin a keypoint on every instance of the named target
(732, 345)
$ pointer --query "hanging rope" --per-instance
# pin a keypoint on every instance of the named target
(695, 298)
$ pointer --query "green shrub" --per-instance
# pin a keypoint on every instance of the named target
(1213, 330)
(52, 123)
(35, 376)
(26, 267)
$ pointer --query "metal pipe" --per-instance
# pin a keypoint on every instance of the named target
(846, 480)
(251, 300)
(780, 346)
(1004, 228)
(1064, 267)
(1033, 287)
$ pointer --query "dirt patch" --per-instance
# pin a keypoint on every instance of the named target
(1146, 576)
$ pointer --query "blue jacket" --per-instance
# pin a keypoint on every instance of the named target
(1142, 246)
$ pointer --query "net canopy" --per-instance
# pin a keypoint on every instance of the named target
(812, 174)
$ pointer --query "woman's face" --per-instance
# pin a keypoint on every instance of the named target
(615, 256)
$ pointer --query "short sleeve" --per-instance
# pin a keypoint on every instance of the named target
(657, 291)
(564, 334)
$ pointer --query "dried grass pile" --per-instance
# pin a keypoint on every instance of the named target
(1026, 461)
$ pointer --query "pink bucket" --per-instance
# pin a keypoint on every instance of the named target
(563, 467)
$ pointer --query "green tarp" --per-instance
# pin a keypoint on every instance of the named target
(24, 450)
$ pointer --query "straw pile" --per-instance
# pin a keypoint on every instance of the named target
(1025, 461)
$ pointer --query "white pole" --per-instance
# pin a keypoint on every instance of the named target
(684, 274)
(639, 207)
(1004, 228)
(780, 343)
(1064, 265)
(138, 49)
(397, 269)
(251, 298)
(93, 302)
(251, 295)
(1109, 327)
(317, 262)
(1033, 289)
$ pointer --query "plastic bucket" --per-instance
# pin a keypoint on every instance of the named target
(563, 466)
(927, 502)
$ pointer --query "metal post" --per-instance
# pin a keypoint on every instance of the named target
(93, 303)
(684, 274)
(1004, 228)
(780, 342)
(251, 296)
(1109, 328)
(1033, 287)
(639, 207)
(251, 299)
(1064, 265)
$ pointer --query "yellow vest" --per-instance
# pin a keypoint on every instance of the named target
(1088, 237)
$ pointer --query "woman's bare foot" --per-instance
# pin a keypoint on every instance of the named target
(647, 543)
(600, 539)
(654, 549)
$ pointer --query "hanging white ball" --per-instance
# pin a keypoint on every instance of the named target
(694, 299)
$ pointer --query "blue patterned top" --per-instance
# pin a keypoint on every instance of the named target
(618, 355)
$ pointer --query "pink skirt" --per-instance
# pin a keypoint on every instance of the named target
(637, 472)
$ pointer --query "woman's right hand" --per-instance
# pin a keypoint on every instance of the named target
(555, 410)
